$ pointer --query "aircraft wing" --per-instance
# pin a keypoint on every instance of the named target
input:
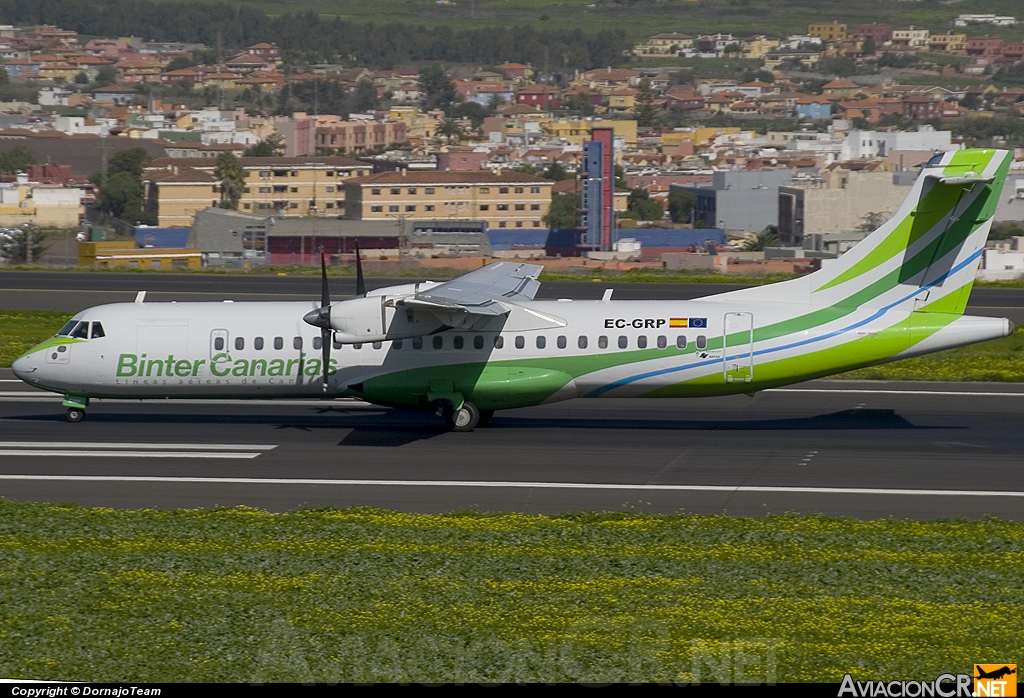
(479, 292)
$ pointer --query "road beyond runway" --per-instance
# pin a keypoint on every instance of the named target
(863, 449)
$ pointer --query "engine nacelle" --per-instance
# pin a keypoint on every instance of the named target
(373, 319)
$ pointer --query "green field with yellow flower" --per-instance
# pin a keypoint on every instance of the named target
(370, 595)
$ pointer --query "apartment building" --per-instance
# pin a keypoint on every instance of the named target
(912, 37)
(507, 199)
(948, 42)
(832, 31)
(178, 188)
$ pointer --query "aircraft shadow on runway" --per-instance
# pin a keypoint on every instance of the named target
(391, 428)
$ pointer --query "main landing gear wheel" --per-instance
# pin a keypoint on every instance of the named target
(464, 419)
(485, 417)
(75, 415)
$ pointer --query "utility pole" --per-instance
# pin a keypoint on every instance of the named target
(403, 238)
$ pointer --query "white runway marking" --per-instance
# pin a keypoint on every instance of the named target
(125, 454)
(873, 391)
(148, 447)
(516, 485)
(90, 449)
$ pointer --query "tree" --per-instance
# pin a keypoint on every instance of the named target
(448, 128)
(555, 172)
(232, 178)
(16, 159)
(271, 146)
(563, 211)
(131, 161)
(107, 75)
(756, 242)
(580, 102)
(82, 79)
(476, 113)
(620, 178)
(365, 98)
(642, 207)
(644, 109)
(121, 196)
(872, 220)
(180, 63)
(438, 91)
(681, 204)
(15, 243)
(868, 48)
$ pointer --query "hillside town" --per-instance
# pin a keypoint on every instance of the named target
(169, 154)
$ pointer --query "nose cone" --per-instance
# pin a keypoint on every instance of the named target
(24, 367)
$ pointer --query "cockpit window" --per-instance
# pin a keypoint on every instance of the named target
(66, 330)
(81, 331)
(97, 330)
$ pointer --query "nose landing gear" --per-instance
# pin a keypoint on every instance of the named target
(76, 407)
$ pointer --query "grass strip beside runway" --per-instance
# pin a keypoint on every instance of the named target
(22, 330)
(999, 360)
(373, 595)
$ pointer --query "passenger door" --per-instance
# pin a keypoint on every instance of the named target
(738, 347)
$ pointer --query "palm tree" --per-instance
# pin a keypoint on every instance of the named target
(449, 128)
(756, 242)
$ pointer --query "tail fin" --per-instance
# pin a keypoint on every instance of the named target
(927, 254)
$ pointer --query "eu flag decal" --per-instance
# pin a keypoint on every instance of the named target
(698, 322)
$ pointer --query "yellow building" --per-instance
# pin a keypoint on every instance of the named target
(697, 136)
(758, 46)
(418, 126)
(507, 199)
(833, 31)
(124, 253)
(43, 205)
(948, 42)
(177, 188)
(575, 131)
(621, 99)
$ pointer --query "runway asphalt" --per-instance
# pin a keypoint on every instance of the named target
(868, 450)
(74, 291)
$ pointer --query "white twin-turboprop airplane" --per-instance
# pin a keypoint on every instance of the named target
(481, 343)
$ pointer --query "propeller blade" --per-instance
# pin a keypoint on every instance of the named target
(325, 341)
(325, 296)
(360, 282)
(324, 319)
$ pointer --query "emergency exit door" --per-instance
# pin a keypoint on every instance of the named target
(738, 347)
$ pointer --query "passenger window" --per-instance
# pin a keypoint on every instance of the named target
(681, 341)
(499, 342)
(297, 343)
(417, 342)
(377, 345)
(520, 342)
(318, 343)
(662, 341)
(279, 342)
(542, 341)
(357, 346)
(561, 342)
(702, 342)
(66, 330)
(623, 341)
(478, 342)
(438, 341)
(602, 342)
(397, 344)
(641, 342)
(582, 343)
(218, 344)
(459, 341)
(337, 344)
(257, 344)
(97, 330)
(81, 331)
(239, 343)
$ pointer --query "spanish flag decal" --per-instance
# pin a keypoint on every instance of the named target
(678, 322)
